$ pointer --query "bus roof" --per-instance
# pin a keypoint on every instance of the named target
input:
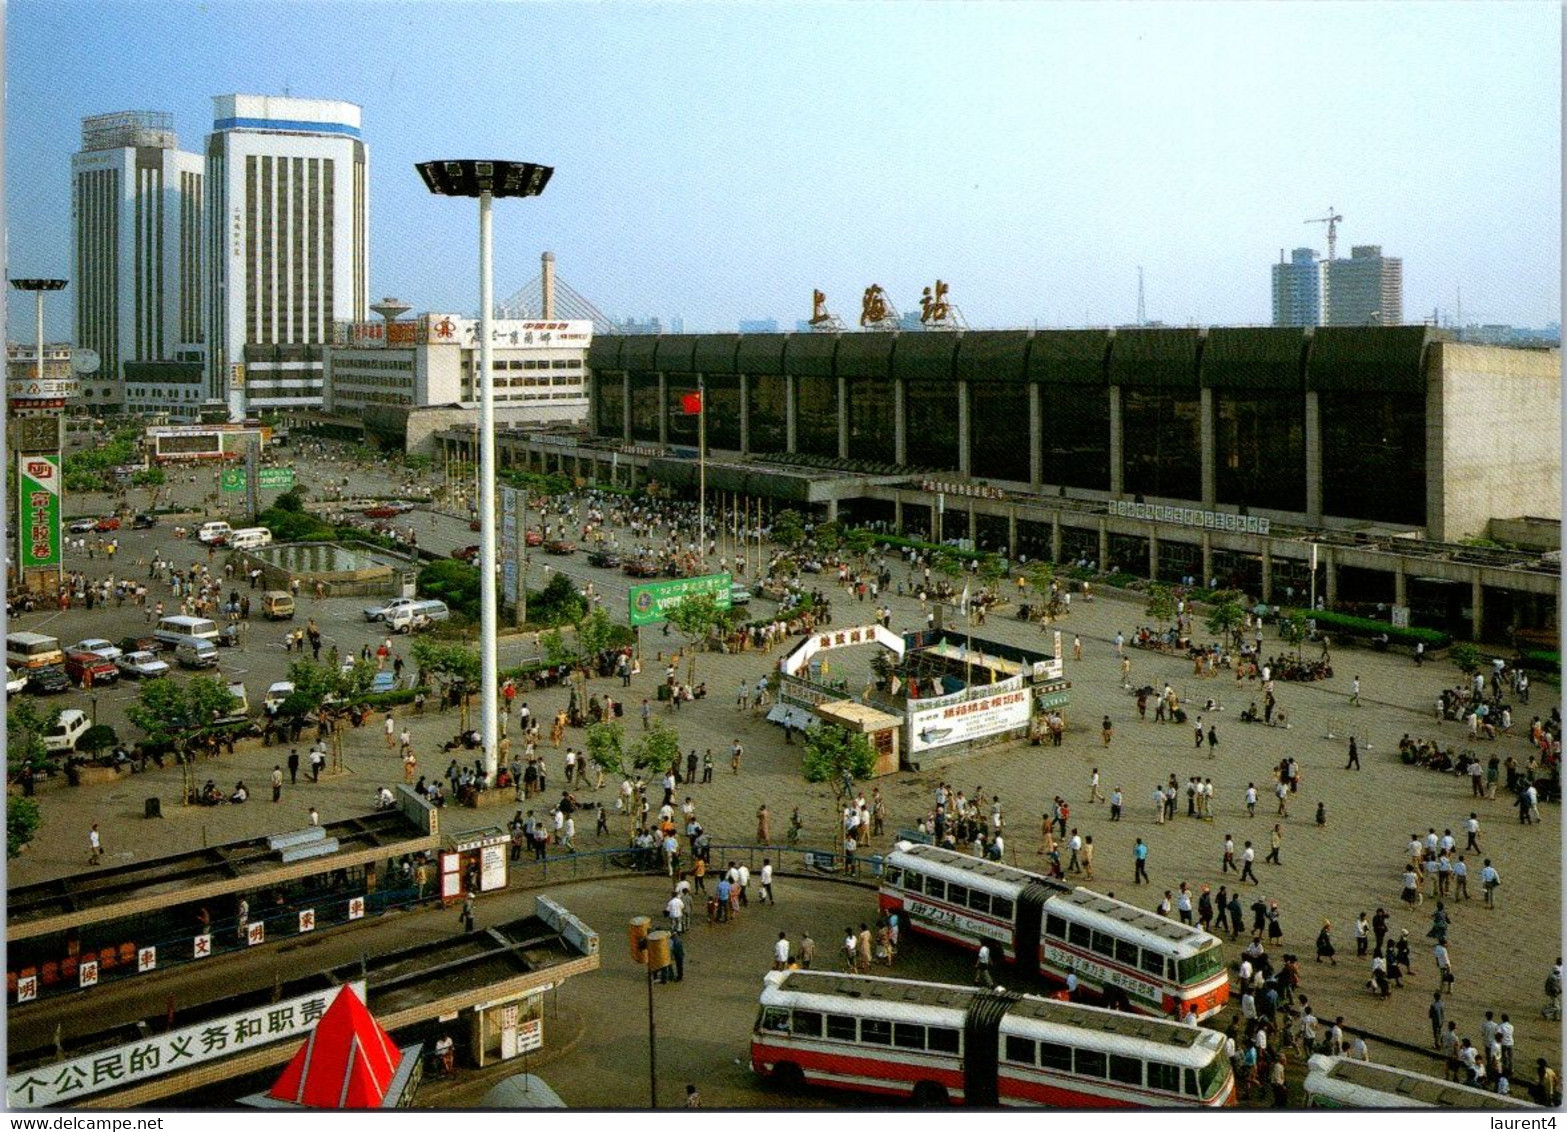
(1365, 1084)
(1164, 935)
(1002, 879)
(1173, 1039)
(821, 987)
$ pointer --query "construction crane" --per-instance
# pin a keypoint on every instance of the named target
(1331, 220)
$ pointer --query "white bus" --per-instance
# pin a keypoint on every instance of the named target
(1124, 954)
(1342, 1082)
(942, 1044)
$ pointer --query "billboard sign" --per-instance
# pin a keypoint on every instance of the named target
(231, 479)
(275, 479)
(38, 483)
(651, 603)
(975, 713)
(511, 574)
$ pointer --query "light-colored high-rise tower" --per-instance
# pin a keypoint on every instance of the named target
(1297, 289)
(1367, 289)
(288, 196)
(136, 248)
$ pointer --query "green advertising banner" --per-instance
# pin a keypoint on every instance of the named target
(38, 482)
(275, 479)
(650, 602)
(232, 479)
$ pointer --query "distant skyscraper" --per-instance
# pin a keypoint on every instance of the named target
(136, 247)
(758, 326)
(1297, 290)
(288, 197)
(1367, 289)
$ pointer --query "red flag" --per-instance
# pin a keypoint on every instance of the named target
(691, 404)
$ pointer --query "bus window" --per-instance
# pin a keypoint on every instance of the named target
(911, 881)
(1020, 1051)
(935, 888)
(1165, 1078)
(1190, 1077)
(1126, 1070)
(906, 1036)
(875, 1032)
(1055, 927)
(1211, 1077)
(979, 901)
(776, 1019)
(1078, 935)
(939, 1039)
(1199, 966)
(807, 1023)
(957, 894)
(1089, 1063)
(841, 1028)
(894, 875)
(1126, 952)
(1153, 963)
(1001, 907)
(1052, 1056)
(1103, 943)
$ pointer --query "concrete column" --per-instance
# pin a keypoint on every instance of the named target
(1267, 570)
(1400, 585)
(965, 447)
(1331, 568)
(1055, 536)
(1153, 552)
(843, 418)
(1036, 436)
(1104, 543)
(663, 409)
(789, 409)
(832, 510)
(1313, 460)
(900, 429)
(1117, 450)
(897, 512)
(625, 407)
(745, 413)
(1012, 533)
(1477, 608)
(937, 515)
(973, 526)
(1207, 558)
(1210, 455)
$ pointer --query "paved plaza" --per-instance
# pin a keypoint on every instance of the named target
(1332, 872)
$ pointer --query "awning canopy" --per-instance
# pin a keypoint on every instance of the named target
(796, 718)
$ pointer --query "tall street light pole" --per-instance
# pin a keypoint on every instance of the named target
(486, 180)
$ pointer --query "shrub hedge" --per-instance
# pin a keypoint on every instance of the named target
(1366, 626)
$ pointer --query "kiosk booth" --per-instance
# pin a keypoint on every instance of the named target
(474, 862)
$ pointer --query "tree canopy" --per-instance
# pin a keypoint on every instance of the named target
(172, 714)
(25, 725)
(22, 819)
(830, 751)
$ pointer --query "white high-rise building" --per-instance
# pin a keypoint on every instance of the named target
(137, 247)
(288, 197)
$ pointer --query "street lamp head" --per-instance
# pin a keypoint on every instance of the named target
(474, 178)
(38, 284)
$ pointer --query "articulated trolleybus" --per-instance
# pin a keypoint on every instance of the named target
(1341, 1082)
(944, 1044)
(1117, 950)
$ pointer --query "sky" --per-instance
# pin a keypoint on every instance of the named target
(719, 162)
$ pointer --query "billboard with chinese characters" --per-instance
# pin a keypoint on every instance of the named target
(974, 713)
(650, 603)
(65, 1082)
(38, 484)
(511, 575)
(445, 329)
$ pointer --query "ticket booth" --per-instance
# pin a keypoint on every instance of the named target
(502, 1030)
(474, 862)
(880, 728)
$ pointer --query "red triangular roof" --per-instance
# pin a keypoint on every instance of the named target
(347, 1062)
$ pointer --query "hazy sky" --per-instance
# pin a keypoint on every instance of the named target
(718, 162)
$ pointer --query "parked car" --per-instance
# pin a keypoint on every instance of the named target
(141, 644)
(82, 526)
(739, 595)
(640, 568)
(70, 727)
(98, 645)
(48, 681)
(79, 666)
(466, 553)
(15, 681)
(142, 522)
(141, 665)
(107, 523)
(382, 512)
(241, 708)
(560, 546)
(275, 696)
(379, 612)
(532, 538)
(608, 559)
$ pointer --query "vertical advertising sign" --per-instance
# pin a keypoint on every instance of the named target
(38, 481)
(511, 573)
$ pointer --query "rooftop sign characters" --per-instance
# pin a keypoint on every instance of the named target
(1189, 517)
(800, 659)
(67, 1081)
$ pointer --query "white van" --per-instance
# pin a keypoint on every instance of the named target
(194, 652)
(176, 628)
(249, 539)
(214, 533)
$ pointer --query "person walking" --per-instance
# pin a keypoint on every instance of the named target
(982, 976)
(781, 952)
(1229, 853)
(1140, 856)
(1248, 855)
(735, 753)
(1354, 755)
(94, 846)
(1362, 932)
(1354, 692)
(1093, 787)
(1325, 948)
(1437, 1012)
(1106, 731)
(293, 766)
(1276, 840)
(1490, 881)
(277, 783)
(767, 882)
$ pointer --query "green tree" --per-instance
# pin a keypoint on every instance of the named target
(450, 662)
(25, 726)
(595, 633)
(859, 543)
(1040, 575)
(174, 715)
(606, 743)
(828, 536)
(1467, 657)
(1161, 602)
(22, 819)
(99, 737)
(1294, 630)
(555, 648)
(788, 529)
(558, 603)
(695, 617)
(946, 563)
(1225, 615)
(455, 583)
(656, 750)
(991, 571)
(830, 751)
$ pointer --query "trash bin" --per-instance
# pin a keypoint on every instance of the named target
(153, 809)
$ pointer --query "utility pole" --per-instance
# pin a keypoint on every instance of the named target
(1142, 306)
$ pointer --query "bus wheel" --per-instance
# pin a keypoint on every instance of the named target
(928, 1094)
(788, 1077)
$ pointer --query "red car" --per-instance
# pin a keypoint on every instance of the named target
(533, 538)
(640, 568)
(79, 664)
(382, 513)
(108, 523)
(560, 546)
(466, 553)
